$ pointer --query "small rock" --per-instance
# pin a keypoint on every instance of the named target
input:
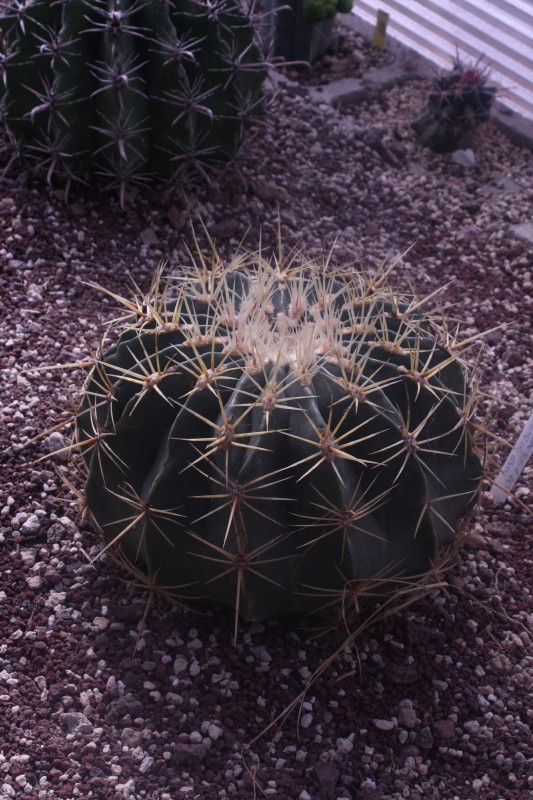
(131, 737)
(34, 582)
(444, 729)
(225, 229)
(472, 726)
(125, 705)
(465, 158)
(500, 663)
(407, 718)
(56, 444)
(31, 525)
(384, 724)
(56, 533)
(214, 732)
(401, 674)
(327, 775)
(344, 746)
(475, 540)
(502, 185)
(425, 739)
(176, 217)
(180, 664)
(190, 753)
(524, 232)
(27, 556)
(149, 237)
(76, 722)
(131, 612)
(306, 720)
(146, 764)
(267, 190)
(261, 654)
(410, 751)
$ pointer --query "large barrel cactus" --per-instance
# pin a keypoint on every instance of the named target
(277, 439)
(127, 90)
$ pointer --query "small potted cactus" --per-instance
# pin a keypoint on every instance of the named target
(301, 30)
(459, 101)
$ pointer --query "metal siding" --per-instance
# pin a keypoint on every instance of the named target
(499, 32)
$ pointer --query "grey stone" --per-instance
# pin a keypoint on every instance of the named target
(465, 158)
(31, 525)
(131, 737)
(384, 724)
(327, 774)
(407, 717)
(189, 753)
(343, 90)
(523, 232)
(425, 739)
(472, 726)
(149, 237)
(125, 705)
(75, 722)
(267, 190)
(344, 746)
(225, 229)
(444, 729)
(56, 442)
(503, 185)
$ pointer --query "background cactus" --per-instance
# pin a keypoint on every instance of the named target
(128, 90)
(319, 10)
(459, 101)
(278, 440)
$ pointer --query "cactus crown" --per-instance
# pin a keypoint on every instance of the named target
(278, 437)
(123, 91)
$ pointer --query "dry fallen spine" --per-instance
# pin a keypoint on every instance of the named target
(278, 437)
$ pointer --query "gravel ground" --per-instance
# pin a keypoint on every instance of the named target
(434, 702)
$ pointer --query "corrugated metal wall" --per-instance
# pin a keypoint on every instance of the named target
(501, 31)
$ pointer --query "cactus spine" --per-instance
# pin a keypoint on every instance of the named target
(123, 91)
(277, 439)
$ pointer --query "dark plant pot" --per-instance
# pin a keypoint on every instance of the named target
(293, 37)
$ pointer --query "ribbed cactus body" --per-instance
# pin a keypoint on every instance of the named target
(278, 442)
(458, 103)
(118, 90)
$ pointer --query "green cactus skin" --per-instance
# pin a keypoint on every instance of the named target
(276, 440)
(123, 91)
(458, 103)
(319, 10)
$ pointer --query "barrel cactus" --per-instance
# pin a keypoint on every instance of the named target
(122, 91)
(277, 439)
(457, 104)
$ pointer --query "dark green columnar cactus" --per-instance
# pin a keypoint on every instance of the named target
(458, 103)
(122, 91)
(278, 439)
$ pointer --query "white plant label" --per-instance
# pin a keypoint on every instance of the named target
(515, 463)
